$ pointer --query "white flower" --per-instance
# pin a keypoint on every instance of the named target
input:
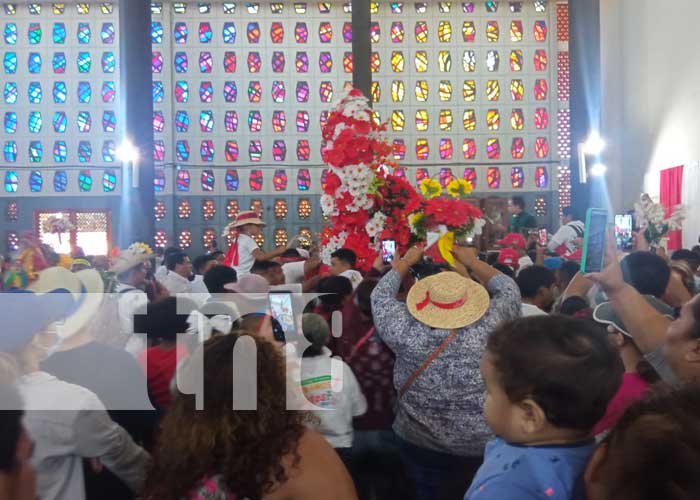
(372, 229)
(376, 224)
(478, 227)
(356, 190)
(327, 205)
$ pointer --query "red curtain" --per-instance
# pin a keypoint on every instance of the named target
(671, 195)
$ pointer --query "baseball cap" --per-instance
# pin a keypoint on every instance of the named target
(606, 315)
(508, 257)
(513, 239)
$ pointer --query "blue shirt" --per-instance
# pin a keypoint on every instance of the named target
(515, 472)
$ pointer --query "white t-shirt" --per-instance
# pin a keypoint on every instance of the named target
(341, 399)
(246, 247)
(293, 272)
(530, 310)
(566, 236)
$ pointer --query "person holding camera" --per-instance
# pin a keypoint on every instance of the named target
(438, 336)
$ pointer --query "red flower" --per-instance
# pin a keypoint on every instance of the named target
(362, 127)
(333, 182)
(334, 157)
(452, 213)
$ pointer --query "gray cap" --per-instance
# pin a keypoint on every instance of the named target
(605, 314)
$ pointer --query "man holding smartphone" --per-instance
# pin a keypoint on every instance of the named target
(569, 237)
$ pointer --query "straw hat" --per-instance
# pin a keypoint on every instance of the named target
(247, 217)
(447, 300)
(86, 287)
(133, 256)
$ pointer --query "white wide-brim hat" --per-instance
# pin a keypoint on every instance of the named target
(447, 301)
(86, 287)
(127, 260)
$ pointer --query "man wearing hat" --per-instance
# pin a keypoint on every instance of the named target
(130, 269)
(438, 336)
(244, 250)
(56, 307)
(638, 376)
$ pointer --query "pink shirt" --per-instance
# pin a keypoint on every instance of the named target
(631, 390)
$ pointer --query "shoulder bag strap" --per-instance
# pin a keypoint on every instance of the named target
(361, 342)
(409, 382)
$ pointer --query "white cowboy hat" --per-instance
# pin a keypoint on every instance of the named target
(447, 300)
(86, 287)
(129, 258)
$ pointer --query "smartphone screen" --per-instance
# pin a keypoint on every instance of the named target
(388, 251)
(594, 240)
(282, 309)
(623, 231)
(542, 237)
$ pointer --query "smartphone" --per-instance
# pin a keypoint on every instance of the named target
(594, 240)
(542, 238)
(282, 309)
(624, 226)
(388, 251)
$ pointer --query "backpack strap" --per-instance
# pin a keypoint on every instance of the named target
(409, 382)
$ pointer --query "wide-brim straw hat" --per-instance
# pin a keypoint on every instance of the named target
(87, 289)
(447, 301)
(247, 217)
(128, 259)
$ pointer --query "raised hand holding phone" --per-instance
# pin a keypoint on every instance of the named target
(594, 240)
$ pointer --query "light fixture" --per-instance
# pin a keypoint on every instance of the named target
(128, 154)
(594, 145)
(598, 170)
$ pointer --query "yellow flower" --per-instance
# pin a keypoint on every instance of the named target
(430, 188)
(142, 247)
(459, 188)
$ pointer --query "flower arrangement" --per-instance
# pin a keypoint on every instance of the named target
(57, 225)
(653, 219)
(355, 149)
(451, 216)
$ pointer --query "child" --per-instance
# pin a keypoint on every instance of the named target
(548, 380)
(244, 250)
(337, 407)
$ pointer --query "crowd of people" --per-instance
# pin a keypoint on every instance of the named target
(510, 375)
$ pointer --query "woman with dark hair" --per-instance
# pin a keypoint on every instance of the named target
(219, 453)
(652, 453)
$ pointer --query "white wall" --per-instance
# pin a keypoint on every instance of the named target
(651, 92)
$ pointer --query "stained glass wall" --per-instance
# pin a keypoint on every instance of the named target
(477, 90)
(470, 84)
(240, 92)
(60, 98)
